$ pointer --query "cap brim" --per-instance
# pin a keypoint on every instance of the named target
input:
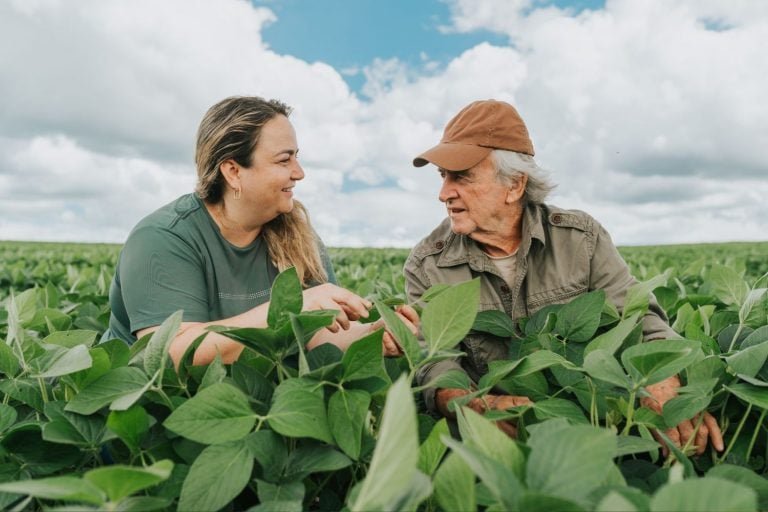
(452, 156)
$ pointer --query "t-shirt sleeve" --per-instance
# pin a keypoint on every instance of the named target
(326, 260)
(161, 274)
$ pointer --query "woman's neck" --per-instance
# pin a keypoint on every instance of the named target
(232, 224)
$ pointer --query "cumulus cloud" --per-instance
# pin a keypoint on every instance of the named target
(650, 114)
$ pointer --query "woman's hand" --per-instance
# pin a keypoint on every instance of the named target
(329, 296)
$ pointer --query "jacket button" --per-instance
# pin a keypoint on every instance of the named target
(557, 218)
(439, 245)
(505, 288)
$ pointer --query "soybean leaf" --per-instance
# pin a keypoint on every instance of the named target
(432, 450)
(120, 481)
(106, 389)
(217, 476)
(217, 414)
(559, 408)
(541, 502)
(58, 361)
(285, 297)
(449, 316)
(9, 363)
(268, 449)
(579, 319)
(494, 322)
(215, 373)
(745, 476)
(653, 362)
(755, 395)
(288, 493)
(402, 334)
(539, 360)
(70, 428)
(434, 291)
(451, 379)
(500, 481)
(130, 425)
(363, 358)
(393, 465)
(455, 485)
(611, 341)
(638, 295)
(479, 433)
(70, 339)
(497, 371)
(726, 284)
(298, 410)
(748, 361)
(628, 445)
(8, 416)
(601, 365)
(347, 410)
(708, 493)
(313, 458)
(142, 504)
(63, 488)
(569, 461)
(156, 354)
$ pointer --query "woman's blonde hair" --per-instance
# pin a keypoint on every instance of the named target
(231, 130)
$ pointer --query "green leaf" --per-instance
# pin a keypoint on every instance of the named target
(432, 449)
(685, 406)
(9, 363)
(704, 494)
(494, 322)
(142, 504)
(393, 465)
(61, 488)
(449, 316)
(559, 408)
(70, 339)
(156, 355)
(120, 481)
(748, 361)
(500, 481)
(347, 410)
(612, 340)
(569, 461)
(538, 502)
(286, 297)
(217, 414)
(215, 373)
(106, 389)
(727, 285)
(744, 476)
(579, 319)
(130, 425)
(58, 361)
(269, 450)
(754, 395)
(455, 485)
(292, 492)
(638, 295)
(8, 416)
(314, 458)
(402, 334)
(217, 476)
(298, 410)
(70, 428)
(600, 364)
(628, 445)
(653, 362)
(480, 434)
(539, 360)
(363, 358)
(450, 379)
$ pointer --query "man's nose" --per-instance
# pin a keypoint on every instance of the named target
(447, 191)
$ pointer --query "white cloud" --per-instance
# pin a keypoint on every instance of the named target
(650, 114)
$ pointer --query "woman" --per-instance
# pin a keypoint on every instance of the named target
(215, 253)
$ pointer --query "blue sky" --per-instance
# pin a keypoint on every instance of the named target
(349, 34)
(650, 114)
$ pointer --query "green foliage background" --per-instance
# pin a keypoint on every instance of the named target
(112, 427)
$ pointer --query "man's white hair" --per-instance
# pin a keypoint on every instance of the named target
(510, 166)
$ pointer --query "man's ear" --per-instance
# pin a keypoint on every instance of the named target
(517, 190)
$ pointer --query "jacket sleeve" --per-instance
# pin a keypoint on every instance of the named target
(609, 272)
(416, 283)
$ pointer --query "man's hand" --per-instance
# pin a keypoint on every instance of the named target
(480, 405)
(661, 393)
(409, 317)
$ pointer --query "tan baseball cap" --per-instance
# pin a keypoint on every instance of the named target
(473, 133)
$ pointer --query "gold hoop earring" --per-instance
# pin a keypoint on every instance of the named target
(238, 190)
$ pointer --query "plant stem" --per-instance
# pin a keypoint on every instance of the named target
(43, 390)
(736, 434)
(754, 436)
(735, 336)
(630, 412)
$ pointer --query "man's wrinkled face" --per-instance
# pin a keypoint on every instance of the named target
(476, 201)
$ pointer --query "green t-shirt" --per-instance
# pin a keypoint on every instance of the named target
(176, 258)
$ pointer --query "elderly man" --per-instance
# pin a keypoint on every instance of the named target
(527, 254)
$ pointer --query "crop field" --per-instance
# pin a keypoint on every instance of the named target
(105, 426)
